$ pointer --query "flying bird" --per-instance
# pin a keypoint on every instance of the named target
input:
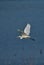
(26, 33)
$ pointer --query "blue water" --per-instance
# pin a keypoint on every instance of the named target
(15, 15)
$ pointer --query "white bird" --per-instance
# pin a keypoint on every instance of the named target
(26, 33)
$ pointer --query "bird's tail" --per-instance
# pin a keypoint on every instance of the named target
(17, 37)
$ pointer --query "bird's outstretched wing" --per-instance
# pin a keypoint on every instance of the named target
(20, 30)
(27, 29)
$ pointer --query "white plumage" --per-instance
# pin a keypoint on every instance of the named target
(26, 33)
(27, 29)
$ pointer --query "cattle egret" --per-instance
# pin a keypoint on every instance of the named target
(26, 33)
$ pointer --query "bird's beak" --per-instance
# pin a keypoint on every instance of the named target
(32, 39)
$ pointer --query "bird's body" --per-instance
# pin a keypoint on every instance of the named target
(23, 36)
(26, 33)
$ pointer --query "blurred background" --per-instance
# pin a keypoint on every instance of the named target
(15, 14)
